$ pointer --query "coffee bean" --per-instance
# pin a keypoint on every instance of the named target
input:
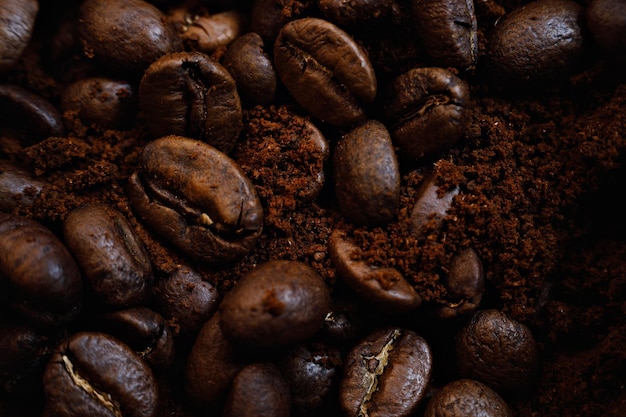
(110, 255)
(325, 71)
(338, 327)
(356, 12)
(191, 94)
(466, 397)
(206, 32)
(367, 175)
(18, 187)
(386, 374)
(538, 42)
(94, 374)
(249, 64)
(197, 198)
(278, 303)
(38, 277)
(385, 288)
(269, 16)
(498, 351)
(465, 283)
(431, 207)
(18, 21)
(606, 20)
(125, 36)
(426, 111)
(448, 31)
(258, 390)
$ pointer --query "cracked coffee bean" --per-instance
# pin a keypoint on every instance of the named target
(196, 198)
(18, 20)
(386, 374)
(466, 397)
(465, 283)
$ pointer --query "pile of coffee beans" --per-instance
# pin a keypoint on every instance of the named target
(275, 207)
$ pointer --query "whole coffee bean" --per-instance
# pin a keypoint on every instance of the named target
(197, 198)
(206, 32)
(465, 283)
(125, 36)
(251, 67)
(466, 397)
(606, 20)
(18, 21)
(325, 71)
(426, 111)
(367, 175)
(386, 374)
(431, 207)
(355, 12)
(258, 390)
(110, 255)
(540, 41)
(191, 94)
(385, 288)
(18, 187)
(94, 374)
(278, 303)
(448, 31)
(39, 279)
(498, 351)
(338, 327)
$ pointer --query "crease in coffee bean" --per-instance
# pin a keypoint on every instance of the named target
(419, 108)
(197, 103)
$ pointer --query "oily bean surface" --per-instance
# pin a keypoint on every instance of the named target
(18, 21)
(464, 397)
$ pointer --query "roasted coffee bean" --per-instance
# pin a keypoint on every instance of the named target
(367, 175)
(18, 21)
(197, 198)
(338, 327)
(18, 187)
(251, 67)
(466, 397)
(258, 390)
(385, 288)
(355, 12)
(206, 32)
(540, 41)
(606, 20)
(325, 71)
(431, 207)
(39, 279)
(191, 94)
(125, 36)
(448, 30)
(278, 303)
(498, 351)
(386, 374)
(465, 283)
(94, 374)
(110, 255)
(426, 111)
(102, 102)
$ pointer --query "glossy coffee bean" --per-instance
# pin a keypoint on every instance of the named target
(367, 175)
(38, 276)
(278, 303)
(498, 351)
(466, 397)
(539, 41)
(18, 187)
(465, 283)
(325, 71)
(125, 36)
(448, 31)
(110, 255)
(93, 374)
(430, 208)
(247, 60)
(258, 390)
(355, 12)
(386, 374)
(18, 21)
(191, 94)
(204, 32)
(196, 198)
(384, 288)
(426, 111)
(606, 20)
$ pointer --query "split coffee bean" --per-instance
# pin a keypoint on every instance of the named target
(466, 397)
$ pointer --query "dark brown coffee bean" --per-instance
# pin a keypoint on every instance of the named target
(258, 390)
(204, 32)
(426, 111)
(197, 198)
(539, 41)
(38, 277)
(431, 207)
(101, 102)
(448, 31)
(278, 303)
(606, 20)
(355, 12)
(94, 374)
(251, 67)
(111, 256)
(466, 397)
(385, 288)
(125, 36)
(386, 374)
(191, 94)
(18, 21)
(18, 187)
(498, 351)
(325, 71)
(465, 283)
(338, 327)
(367, 175)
